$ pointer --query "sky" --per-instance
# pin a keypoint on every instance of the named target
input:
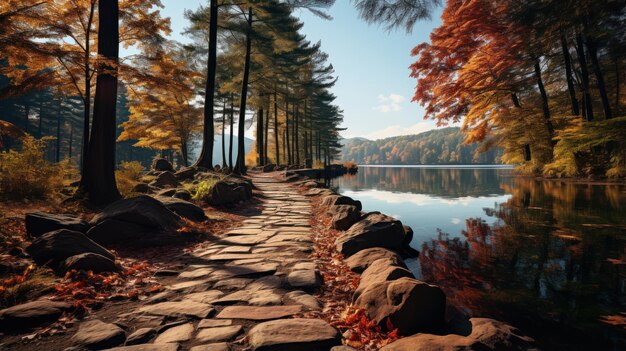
(374, 88)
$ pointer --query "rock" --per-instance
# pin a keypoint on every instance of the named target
(97, 335)
(410, 305)
(305, 279)
(259, 313)
(55, 247)
(320, 192)
(176, 334)
(112, 231)
(90, 262)
(268, 168)
(165, 179)
(166, 192)
(216, 334)
(177, 308)
(186, 173)
(301, 298)
(182, 194)
(228, 192)
(344, 216)
(342, 348)
(364, 258)
(147, 347)
(374, 230)
(310, 184)
(141, 336)
(161, 164)
(380, 271)
(142, 210)
(334, 200)
(212, 323)
(39, 223)
(293, 334)
(31, 314)
(486, 334)
(184, 208)
(220, 346)
(143, 188)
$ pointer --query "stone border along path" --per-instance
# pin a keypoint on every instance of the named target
(242, 294)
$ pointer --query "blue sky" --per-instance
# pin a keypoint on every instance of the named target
(374, 87)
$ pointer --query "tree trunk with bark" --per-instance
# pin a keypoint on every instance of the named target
(241, 157)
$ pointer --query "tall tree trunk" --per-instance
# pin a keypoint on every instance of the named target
(276, 131)
(266, 130)
(544, 101)
(98, 182)
(584, 77)
(87, 97)
(296, 132)
(288, 147)
(208, 132)
(224, 136)
(241, 151)
(592, 49)
(259, 137)
(58, 141)
(230, 142)
(184, 153)
(568, 74)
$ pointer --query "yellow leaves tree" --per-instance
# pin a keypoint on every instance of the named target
(163, 105)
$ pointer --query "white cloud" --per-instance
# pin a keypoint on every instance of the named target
(389, 103)
(396, 130)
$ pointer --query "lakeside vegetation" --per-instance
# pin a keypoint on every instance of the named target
(436, 147)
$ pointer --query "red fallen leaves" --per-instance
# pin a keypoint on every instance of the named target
(336, 293)
(16, 279)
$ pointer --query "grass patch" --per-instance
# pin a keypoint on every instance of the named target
(29, 286)
(127, 176)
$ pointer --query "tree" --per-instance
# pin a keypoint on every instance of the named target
(395, 13)
(98, 181)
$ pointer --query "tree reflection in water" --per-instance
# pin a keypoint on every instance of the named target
(553, 264)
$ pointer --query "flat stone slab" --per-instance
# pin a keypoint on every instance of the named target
(233, 283)
(259, 313)
(196, 273)
(220, 346)
(305, 279)
(251, 297)
(293, 334)
(31, 314)
(205, 296)
(179, 333)
(190, 285)
(177, 308)
(301, 298)
(147, 347)
(97, 335)
(212, 323)
(208, 335)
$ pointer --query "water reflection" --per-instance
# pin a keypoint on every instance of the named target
(547, 256)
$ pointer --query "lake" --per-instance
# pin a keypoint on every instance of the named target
(546, 256)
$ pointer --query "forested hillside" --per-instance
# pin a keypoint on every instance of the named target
(441, 146)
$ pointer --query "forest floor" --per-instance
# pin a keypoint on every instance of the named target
(267, 262)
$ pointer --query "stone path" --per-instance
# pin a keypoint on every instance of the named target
(239, 293)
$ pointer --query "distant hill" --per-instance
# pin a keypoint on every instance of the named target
(435, 147)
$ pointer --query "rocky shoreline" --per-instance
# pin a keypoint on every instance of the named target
(375, 245)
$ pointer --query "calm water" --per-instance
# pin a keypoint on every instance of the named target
(546, 256)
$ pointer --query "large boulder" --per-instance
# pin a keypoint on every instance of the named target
(228, 192)
(487, 334)
(182, 194)
(142, 210)
(165, 179)
(364, 258)
(344, 216)
(90, 262)
(162, 165)
(55, 247)
(186, 173)
(38, 223)
(142, 221)
(143, 188)
(379, 272)
(269, 168)
(31, 315)
(408, 304)
(333, 200)
(183, 208)
(373, 230)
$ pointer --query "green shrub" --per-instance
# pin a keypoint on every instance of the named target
(202, 189)
(127, 176)
(26, 172)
